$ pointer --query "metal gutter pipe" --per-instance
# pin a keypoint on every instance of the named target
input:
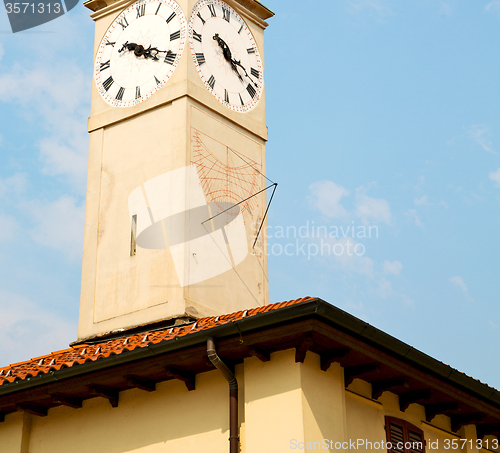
(234, 438)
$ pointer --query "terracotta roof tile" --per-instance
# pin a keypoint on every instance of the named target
(80, 354)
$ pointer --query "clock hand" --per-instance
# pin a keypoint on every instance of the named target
(238, 63)
(139, 50)
(226, 52)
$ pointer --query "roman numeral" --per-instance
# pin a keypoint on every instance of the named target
(157, 81)
(170, 18)
(251, 50)
(254, 72)
(201, 18)
(109, 43)
(212, 10)
(241, 28)
(104, 66)
(141, 10)
(175, 35)
(170, 57)
(241, 99)
(251, 90)
(124, 23)
(119, 95)
(196, 36)
(226, 95)
(138, 91)
(158, 9)
(226, 14)
(107, 83)
(211, 82)
(201, 58)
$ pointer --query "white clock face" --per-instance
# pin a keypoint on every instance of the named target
(140, 51)
(225, 55)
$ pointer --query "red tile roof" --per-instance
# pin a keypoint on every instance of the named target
(83, 353)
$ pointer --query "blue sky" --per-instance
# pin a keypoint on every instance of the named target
(383, 119)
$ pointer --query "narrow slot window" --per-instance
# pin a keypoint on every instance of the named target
(133, 234)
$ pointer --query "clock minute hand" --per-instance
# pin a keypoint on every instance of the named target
(238, 63)
(226, 52)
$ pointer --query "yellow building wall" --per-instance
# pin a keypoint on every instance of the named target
(283, 406)
(171, 419)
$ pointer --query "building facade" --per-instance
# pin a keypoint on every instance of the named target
(310, 377)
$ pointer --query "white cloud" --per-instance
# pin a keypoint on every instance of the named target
(423, 200)
(479, 135)
(384, 288)
(59, 225)
(8, 227)
(13, 185)
(27, 330)
(372, 209)
(392, 268)
(446, 9)
(458, 281)
(495, 177)
(493, 7)
(53, 94)
(412, 214)
(326, 197)
(60, 159)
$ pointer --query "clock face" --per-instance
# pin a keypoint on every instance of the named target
(140, 51)
(225, 55)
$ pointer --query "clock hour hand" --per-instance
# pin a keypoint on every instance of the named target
(226, 52)
(139, 50)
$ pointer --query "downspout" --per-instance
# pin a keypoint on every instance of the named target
(234, 438)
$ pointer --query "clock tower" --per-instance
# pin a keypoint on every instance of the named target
(176, 177)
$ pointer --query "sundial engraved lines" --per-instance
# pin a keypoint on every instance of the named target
(222, 182)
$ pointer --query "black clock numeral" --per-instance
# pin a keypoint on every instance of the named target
(170, 19)
(158, 9)
(201, 18)
(124, 23)
(212, 10)
(141, 10)
(104, 66)
(226, 96)
(170, 57)
(196, 36)
(137, 92)
(251, 50)
(175, 35)
(109, 43)
(251, 90)
(211, 82)
(241, 28)
(254, 72)
(107, 83)
(119, 95)
(226, 14)
(200, 57)
(241, 99)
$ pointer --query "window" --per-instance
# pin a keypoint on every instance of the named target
(403, 437)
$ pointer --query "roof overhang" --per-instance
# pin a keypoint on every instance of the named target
(310, 325)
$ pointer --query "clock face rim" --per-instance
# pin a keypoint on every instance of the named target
(237, 106)
(172, 63)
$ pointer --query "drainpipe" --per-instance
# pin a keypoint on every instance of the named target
(234, 438)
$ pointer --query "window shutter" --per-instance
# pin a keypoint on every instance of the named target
(404, 437)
